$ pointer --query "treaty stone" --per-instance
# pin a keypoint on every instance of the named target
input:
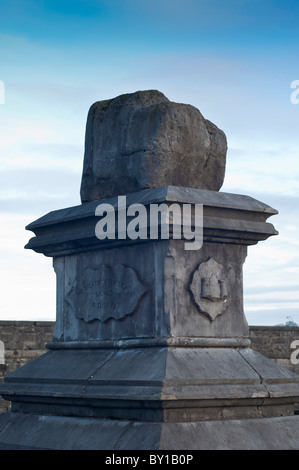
(151, 348)
(142, 140)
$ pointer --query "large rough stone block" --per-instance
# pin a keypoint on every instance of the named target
(143, 141)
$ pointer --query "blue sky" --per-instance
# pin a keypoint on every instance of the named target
(234, 60)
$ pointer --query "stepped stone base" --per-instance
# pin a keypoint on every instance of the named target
(146, 398)
(69, 433)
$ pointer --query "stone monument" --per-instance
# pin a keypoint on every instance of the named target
(151, 347)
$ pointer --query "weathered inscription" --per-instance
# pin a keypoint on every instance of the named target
(106, 291)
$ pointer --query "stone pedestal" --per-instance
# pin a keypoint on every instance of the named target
(150, 347)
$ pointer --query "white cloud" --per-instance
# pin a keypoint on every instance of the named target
(27, 280)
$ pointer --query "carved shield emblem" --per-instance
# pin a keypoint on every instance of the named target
(208, 289)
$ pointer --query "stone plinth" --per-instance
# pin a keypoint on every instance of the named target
(150, 284)
(150, 339)
(150, 347)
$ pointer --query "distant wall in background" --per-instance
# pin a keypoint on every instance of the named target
(23, 341)
(275, 342)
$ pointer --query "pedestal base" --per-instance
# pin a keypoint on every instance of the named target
(150, 397)
(40, 432)
(150, 347)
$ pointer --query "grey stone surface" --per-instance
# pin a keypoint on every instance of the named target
(142, 140)
(162, 270)
(160, 292)
(227, 218)
(153, 384)
(25, 341)
(69, 433)
(104, 291)
(163, 267)
(237, 204)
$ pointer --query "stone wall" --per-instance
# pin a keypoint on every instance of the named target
(275, 343)
(23, 341)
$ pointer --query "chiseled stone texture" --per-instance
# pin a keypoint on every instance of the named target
(142, 141)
